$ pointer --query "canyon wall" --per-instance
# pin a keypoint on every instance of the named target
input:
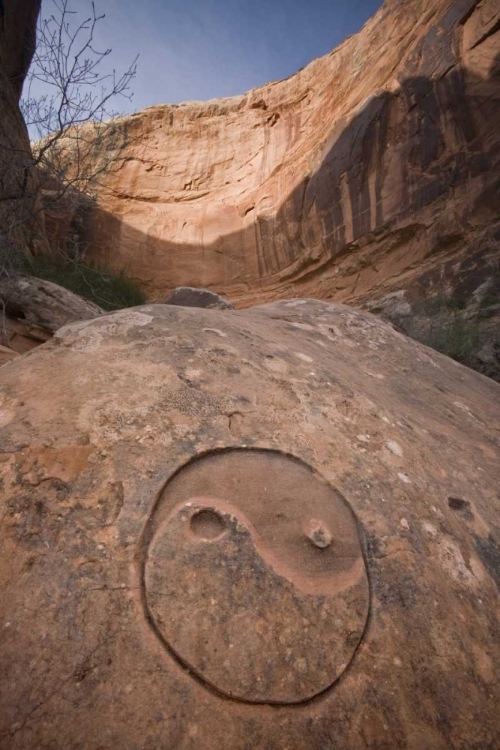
(374, 168)
(18, 20)
(21, 218)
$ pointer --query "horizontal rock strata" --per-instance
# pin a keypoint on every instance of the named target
(372, 168)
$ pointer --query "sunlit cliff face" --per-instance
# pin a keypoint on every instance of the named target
(340, 182)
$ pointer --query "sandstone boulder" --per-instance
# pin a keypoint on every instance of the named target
(43, 303)
(188, 296)
(7, 355)
(19, 336)
(33, 309)
(277, 528)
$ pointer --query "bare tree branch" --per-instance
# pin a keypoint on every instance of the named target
(75, 145)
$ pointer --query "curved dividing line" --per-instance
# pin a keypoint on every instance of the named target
(309, 586)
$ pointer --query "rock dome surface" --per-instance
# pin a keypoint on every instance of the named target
(274, 528)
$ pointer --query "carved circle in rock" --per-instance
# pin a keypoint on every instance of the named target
(254, 578)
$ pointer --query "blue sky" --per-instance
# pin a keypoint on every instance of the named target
(201, 49)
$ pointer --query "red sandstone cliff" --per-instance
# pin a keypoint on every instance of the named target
(373, 168)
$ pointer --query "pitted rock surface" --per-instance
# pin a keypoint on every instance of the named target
(115, 437)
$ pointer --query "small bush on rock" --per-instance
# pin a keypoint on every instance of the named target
(464, 338)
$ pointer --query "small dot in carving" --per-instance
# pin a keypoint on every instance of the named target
(319, 534)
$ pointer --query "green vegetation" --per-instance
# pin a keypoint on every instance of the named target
(108, 290)
(458, 338)
(468, 338)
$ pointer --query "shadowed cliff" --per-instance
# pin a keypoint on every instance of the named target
(404, 178)
(344, 232)
(19, 229)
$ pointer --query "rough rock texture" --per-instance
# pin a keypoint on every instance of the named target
(188, 296)
(44, 303)
(464, 324)
(7, 355)
(374, 169)
(18, 20)
(33, 309)
(21, 217)
(19, 337)
(142, 461)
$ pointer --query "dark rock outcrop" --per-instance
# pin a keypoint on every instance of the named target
(188, 296)
(18, 19)
(21, 214)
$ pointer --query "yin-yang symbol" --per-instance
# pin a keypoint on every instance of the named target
(254, 576)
